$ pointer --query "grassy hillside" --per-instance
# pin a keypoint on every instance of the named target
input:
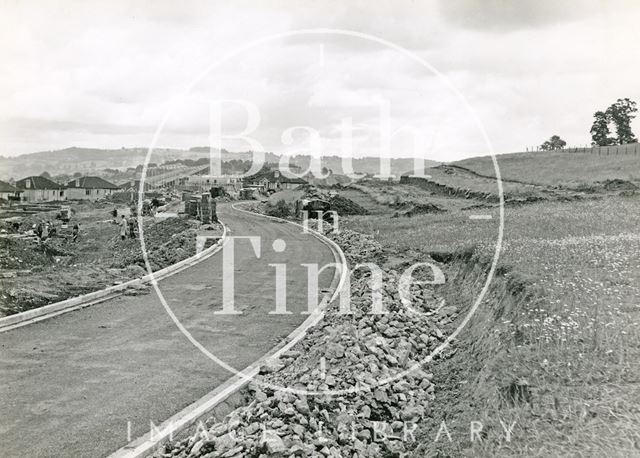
(553, 168)
(553, 348)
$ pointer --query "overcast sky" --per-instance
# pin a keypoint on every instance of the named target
(104, 74)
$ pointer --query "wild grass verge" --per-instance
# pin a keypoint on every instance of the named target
(551, 353)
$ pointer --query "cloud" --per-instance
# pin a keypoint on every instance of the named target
(508, 15)
(103, 74)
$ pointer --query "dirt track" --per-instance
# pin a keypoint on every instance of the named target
(70, 384)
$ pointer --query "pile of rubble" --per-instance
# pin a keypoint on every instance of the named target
(345, 206)
(166, 243)
(353, 386)
(340, 204)
(25, 254)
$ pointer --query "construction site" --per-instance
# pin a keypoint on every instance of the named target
(60, 245)
(308, 230)
(55, 250)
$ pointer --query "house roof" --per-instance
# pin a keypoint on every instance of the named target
(6, 187)
(91, 183)
(274, 176)
(36, 182)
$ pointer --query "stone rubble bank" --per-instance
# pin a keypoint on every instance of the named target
(363, 406)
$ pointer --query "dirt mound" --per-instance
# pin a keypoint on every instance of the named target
(338, 203)
(35, 273)
(420, 209)
(24, 254)
(619, 185)
(288, 195)
(166, 243)
(345, 206)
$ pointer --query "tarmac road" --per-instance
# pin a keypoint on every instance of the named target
(69, 385)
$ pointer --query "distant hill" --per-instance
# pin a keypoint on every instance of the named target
(70, 160)
(91, 160)
(360, 165)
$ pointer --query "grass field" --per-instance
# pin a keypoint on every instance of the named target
(554, 346)
(554, 168)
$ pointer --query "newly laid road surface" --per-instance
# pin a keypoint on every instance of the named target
(69, 385)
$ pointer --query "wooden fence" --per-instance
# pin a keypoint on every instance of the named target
(630, 148)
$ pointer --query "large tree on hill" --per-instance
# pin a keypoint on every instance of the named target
(621, 113)
(600, 130)
(555, 142)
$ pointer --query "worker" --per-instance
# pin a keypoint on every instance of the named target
(132, 228)
(52, 229)
(75, 232)
(123, 228)
(44, 235)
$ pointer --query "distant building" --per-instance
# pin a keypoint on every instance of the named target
(9, 192)
(273, 180)
(90, 188)
(40, 189)
(206, 182)
(134, 186)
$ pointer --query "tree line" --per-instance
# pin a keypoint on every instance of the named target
(619, 115)
(617, 118)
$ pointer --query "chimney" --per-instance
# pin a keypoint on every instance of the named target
(77, 185)
(276, 173)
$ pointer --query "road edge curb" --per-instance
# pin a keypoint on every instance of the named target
(187, 417)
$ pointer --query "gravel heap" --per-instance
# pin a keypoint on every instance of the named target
(350, 354)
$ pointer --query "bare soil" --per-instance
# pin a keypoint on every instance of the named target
(35, 273)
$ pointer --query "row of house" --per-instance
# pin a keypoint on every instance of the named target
(229, 183)
(41, 189)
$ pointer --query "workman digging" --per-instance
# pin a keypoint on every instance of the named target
(123, 228)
